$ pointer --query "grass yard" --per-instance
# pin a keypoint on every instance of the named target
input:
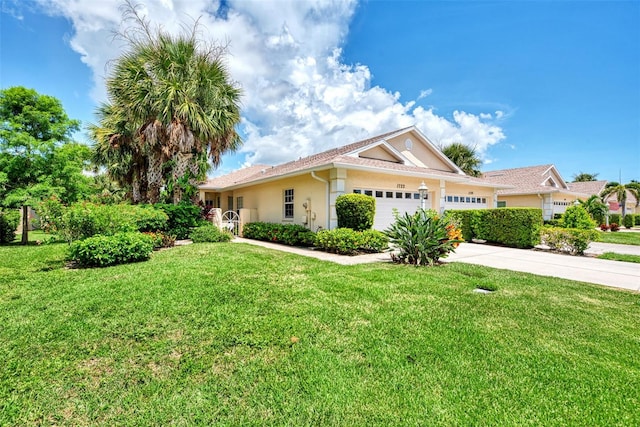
(620, 257)
(232, 334)
(622, 237)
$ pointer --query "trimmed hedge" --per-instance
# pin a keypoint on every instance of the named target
(628, 221)
(209, 233)
(9, 220)
(103, 251)
(615, 218)
(288, 234)
(355, 211)
(571, 240)
(515, 227)
(577, 217)
(345, 241)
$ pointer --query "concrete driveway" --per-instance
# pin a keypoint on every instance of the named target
(617, 274)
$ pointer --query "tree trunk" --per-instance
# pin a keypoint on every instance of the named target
(25, 225)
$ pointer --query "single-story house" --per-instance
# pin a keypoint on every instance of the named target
(390, 167)
(540, 187)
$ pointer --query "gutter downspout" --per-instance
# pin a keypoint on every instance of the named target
(326, 183)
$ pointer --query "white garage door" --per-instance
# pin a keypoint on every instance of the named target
(388, 200)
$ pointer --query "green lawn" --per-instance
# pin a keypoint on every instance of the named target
(620, 257)
(622, 237)
(203, 335)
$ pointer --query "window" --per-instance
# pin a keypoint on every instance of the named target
(398, 195)
(368, 192)
(484, 200)
(502, 204)
(389, 194)
(239, 202)
(208, 203)
(456, 199)
(288, 203)
(229, 203)
(468, 200)
(407, 195)
(357, 191)
(416, 196)
(378, 193)
(450, 199)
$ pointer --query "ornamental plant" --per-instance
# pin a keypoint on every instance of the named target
(103, 251)
(355, 211)
(628, 221)
(577, 217)
(424, 237)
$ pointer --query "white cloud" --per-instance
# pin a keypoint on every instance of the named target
(299, 97)
(425, 93)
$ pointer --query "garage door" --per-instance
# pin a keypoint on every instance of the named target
(387, 201)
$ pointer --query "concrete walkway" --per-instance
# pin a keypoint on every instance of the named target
(615, 274)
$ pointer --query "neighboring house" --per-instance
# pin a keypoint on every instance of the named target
(389, 167)
(540, 187)
(615, 207)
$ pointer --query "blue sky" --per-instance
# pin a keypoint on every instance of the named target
(526, 82)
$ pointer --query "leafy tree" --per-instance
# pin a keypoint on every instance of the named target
(36, 158)
(621, 191)
(585, 177)
(172, 107)
(464, 157)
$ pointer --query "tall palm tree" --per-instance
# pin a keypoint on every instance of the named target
(464, 157)
(621, 191)
(179, 101)
(596, 208)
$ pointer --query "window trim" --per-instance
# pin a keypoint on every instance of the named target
(288, 199)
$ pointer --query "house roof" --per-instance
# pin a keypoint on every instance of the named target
(345, 156)
(588, 188)
(541, 179)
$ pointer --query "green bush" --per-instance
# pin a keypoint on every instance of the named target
(343, 241)
(355, 211)
(288, 234)
(570, 240)
(103, 251)
(50, 211)
(628, 221)
(515, 227)
(181, 218)
(424, 237)
(82, 220)
(9, 220)
(209, 233)
(577, 217)
(374, 241)
(615, 218)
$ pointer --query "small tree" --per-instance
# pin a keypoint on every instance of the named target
(465, 157)
(33, 162)
(596, 208)
(355, 211)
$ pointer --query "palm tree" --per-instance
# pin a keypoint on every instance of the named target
(621, 191)
(596, 208)
(585, 177)
(464, 157)
(180, 105)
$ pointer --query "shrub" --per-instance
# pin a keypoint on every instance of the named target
(515, 227)
(374, 241)
(146, 218)
(614, 226)
(103, 251)
(604, 227)
(288, 234)
(355, 211)
(9, 220)
(577, 217)
(571, 240)
(628, 221)
(50, 211)
(161, 240)
(209, 233)
(424, 237)
(181, 218)
(614, 218)
(343, 241)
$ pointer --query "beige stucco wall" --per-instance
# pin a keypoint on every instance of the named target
(527, 201)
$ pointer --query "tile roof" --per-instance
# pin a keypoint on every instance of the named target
(525, 180)
(587, 188)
